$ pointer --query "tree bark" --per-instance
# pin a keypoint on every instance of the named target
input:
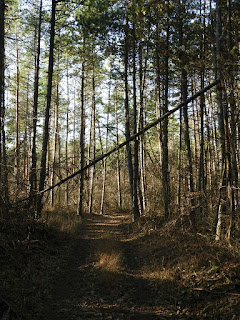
(66, 139)
(4, 198)
(2, 79)
(17, 123)
(33, 170)
(92, 142)
(127, 114)
(55, 146)
(179, 196)
(165, 164)
(136, 212)
(82, 141)
(201, 175)
(47, 112)
(118, 158)
(74, 127)
(222, 117)
(106, 147)
(158, 92)
(141, 125)
(26, 134)
(184, 95)
(233, 123)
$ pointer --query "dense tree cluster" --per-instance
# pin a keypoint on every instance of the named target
(78, 78)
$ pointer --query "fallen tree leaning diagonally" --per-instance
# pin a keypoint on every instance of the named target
(132, 138)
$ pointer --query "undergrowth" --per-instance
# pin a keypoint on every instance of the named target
(204, 274)
(32, 252)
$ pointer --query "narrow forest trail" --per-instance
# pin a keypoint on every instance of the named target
(101, 280)
(112, 275)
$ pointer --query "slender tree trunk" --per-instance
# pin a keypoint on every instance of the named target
(82, 141)
(5, 164)
(55, 147)
(165, 164)
(141, 125)
(89, 147)
(100, 138)
(74, 128)
(220, 209)
(2, 79)
(201, 176)
(184, 95)
(33, 171)
(136, 141)
(47, 112)
(209, 181)
(26, 133)
(118, 155)
(233, 125)
(225, 188)
(59, 174)
(17, 123)
(127, 114)
(66, 140)
(158, 93)
(106, 147)
(196, 129)
(93, 136)
(179, 199)
(4, 198)
(186, 129)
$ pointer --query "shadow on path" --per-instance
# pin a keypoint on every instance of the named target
(100, 283)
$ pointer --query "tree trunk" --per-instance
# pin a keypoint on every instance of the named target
(106, 147)
(17, 124)
(33, 171)
(47, 112)
(179, 198)
(93, 143)
(165, 165)
(158, 93)
(184, 95)
(136, 212)
(82, 141)
(221, 116)
(74, 128)
(127, 114)
(26, 134)
(141, 125)
(66, 139)
(55, 147)
(2, 96)
(201, 174)
(118, 158)
(4, 199)
(233, 123)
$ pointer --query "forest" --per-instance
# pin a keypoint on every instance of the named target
(120, 119)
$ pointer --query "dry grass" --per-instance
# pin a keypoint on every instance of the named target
(110, 261)
(62, 219)
(192, 259)
(109, 254)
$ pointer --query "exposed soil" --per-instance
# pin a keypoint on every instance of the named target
(112, 275)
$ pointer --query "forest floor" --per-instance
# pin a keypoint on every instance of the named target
(112, 269)
(168, 274)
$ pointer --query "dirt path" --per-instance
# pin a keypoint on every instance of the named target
(101, 280)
